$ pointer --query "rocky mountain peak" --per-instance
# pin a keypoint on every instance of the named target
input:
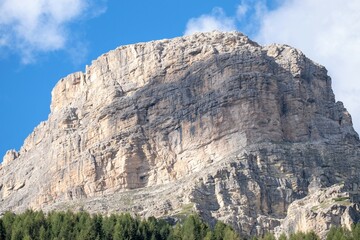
(210, 123)
(159, 58)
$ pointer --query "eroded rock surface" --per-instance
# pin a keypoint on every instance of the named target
(320, 210)
(212, 123)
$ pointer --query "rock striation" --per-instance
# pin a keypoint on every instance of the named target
(212, 123)
(320, 210)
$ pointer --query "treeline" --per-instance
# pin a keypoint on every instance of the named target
(340, 233)
(83, 226)
(36, 225)
(294, 236)
(335, 233)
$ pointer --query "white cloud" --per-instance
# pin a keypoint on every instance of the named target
(242, 10)
(3, 42)
(38, 25)
(328, 32)
(216, 20)
(249, 14)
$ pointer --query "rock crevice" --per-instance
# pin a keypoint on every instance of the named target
(212, 123)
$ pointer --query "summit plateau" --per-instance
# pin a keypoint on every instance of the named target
(211, 123)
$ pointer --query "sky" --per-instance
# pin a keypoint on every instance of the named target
(42, 41)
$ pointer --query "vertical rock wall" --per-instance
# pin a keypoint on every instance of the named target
(212, 123)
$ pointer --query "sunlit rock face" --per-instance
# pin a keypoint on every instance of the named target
(212, 123)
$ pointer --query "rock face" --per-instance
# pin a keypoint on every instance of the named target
(320, 210)
(212, 123)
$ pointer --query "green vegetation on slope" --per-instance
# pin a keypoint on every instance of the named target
(83, 226)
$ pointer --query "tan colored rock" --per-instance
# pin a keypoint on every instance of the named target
(10, 155)
(319, 211)
(212, 123)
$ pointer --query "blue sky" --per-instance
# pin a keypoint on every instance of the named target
(42, 41)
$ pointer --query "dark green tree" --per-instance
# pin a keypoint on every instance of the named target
(43, 234)
(8, 221)
(356, 231)
(2, 230)
(339, 233)
(194, 228)
(108, 227)
(219, 231)
(230, 234)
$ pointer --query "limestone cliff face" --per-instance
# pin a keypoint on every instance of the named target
(320, 210)
(212, 122)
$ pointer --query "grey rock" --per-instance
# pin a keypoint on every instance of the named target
(210, 123)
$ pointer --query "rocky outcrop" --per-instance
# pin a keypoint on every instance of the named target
(320, 210)
(10, 156)
(212, 123)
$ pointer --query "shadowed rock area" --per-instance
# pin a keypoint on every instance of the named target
(210, 123)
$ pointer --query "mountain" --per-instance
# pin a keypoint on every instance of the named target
(211, 123)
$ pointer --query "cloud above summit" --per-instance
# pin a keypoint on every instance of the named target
(29, 27)
(216, 20)
(328, 32)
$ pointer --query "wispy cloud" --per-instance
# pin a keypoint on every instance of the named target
(30, 27)
(216, 20)
(328, 32)
(249, 14)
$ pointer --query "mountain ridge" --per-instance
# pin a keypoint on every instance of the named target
(212, 123)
